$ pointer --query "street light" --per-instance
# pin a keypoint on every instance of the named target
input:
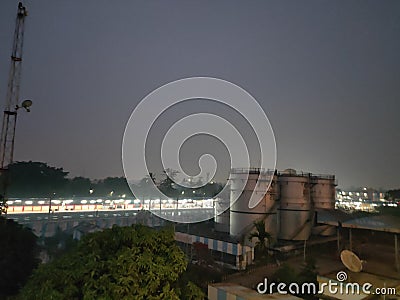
(25, 104)
(177, 199)
(51, 198)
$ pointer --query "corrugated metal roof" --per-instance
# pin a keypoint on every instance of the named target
(377, 223)
(332, 216)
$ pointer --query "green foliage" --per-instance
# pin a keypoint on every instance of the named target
(173, 190)
(57, 245)
(79, 186)
(393, 195)
(202, 275)
(263, 237)
(167, 185)
(307, 274)
(35, 179)
(18, 256)
(120, 263)
(117, 185)
(145, 188)
(192, 292)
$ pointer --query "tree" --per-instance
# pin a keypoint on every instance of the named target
(168, 186)
(392, 195)
(145, 188)
(134, 262)
(58, 244)
(211, 189)
(112, 186)
(35, 179)
(307, 274)
(262, 236)
(309, 271)
(18, 252)
(79, 186)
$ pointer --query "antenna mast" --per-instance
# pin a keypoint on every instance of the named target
(12, 102)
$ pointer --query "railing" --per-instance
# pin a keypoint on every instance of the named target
(295, 174)
(323, 176)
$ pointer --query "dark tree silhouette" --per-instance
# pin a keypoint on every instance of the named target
(168, 186)
(393, 195)
(18, 252)
(79, 186)
(35, 179)
(112, 186)
(261, 234)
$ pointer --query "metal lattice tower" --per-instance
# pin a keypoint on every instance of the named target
(12, 98)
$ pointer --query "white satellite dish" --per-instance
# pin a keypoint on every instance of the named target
(351, 261)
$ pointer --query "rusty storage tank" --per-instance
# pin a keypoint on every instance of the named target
(295, 215)
(323, 191)
(323, 198)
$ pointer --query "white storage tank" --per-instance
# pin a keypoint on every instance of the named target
(221, 217)
(242, 217)
(295, 216)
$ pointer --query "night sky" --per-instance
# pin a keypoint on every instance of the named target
(327, 73)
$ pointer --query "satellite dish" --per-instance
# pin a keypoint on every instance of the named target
(351, 261)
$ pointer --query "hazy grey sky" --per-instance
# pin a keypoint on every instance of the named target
(327, 73)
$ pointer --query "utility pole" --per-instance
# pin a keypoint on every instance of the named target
(12, 104)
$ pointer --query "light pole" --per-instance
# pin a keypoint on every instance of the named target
(51, 198)
(12, 104)
(177, 199)
(7, 148)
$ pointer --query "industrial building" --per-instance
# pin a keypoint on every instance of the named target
(290, 203)
(288, 206)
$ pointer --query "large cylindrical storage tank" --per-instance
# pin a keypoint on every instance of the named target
(221, 217)
(295, 216)
(242, 217)
(323, 191)
(323, 197)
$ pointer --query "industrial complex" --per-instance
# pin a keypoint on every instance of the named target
(289, 210)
